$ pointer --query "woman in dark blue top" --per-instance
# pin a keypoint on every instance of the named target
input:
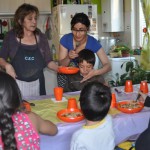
(71, 44)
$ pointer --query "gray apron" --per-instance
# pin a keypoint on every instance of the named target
(29, 64)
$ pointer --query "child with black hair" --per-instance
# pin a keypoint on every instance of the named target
(19, 129)
(97, 133)
(86, 61)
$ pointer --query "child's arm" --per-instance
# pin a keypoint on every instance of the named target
(43, 126)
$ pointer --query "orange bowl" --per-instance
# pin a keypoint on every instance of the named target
(70, 115)
(68, 70)
(130, 106)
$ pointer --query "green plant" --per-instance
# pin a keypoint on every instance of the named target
(133, 72)
(123, 49)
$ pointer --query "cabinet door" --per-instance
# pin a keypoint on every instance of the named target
(9, 6)
(43, 5)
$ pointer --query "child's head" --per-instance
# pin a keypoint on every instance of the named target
(86, 61)
(10, 99)
(95, 100)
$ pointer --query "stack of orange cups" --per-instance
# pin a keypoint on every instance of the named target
(128, 86)
(113, 101)
(144, 87)
(72, 103)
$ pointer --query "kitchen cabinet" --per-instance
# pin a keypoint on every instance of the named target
(43, 5)
(10, 6)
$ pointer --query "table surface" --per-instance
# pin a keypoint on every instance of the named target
(126, 126)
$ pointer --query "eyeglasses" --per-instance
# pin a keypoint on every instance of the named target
(81, 31)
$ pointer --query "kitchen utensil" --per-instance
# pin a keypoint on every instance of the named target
(70, 115)
(128, 86)
(72, 103)
(68, 70)
(31, 104)
(144, 87)
(113, 100)
(58, 93)
(77, 45)
(48, 31)
(138, 96)
(120, 93)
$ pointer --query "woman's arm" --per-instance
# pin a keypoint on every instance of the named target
(7, 67)
(65, 57)
(53, 66)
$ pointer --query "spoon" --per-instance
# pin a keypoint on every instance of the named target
(31, 104)
(120, 93)
(138, 97)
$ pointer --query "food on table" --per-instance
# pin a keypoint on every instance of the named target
(72, 114)
(130, 105)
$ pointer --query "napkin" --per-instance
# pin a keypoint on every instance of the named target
(55, 101)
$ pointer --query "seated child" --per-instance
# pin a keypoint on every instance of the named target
(97, 133)
(143, 141)
(19, 129)
(86, 61)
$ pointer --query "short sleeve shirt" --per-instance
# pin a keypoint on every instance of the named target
(92, 44)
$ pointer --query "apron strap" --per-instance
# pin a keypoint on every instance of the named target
(42, 84)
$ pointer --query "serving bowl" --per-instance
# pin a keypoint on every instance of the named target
(68, 70)
(130, 106)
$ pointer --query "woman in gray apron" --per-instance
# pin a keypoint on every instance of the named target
(25, 52)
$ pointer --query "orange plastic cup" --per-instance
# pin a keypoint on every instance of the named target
(144, 87)
(128, 86)
(113, 101)
(58, 93)
(72, 103)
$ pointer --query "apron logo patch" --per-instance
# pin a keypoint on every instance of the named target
(29, 58)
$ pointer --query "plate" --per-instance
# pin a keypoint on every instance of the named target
(63, 112)
(68, 70)
(133, 107)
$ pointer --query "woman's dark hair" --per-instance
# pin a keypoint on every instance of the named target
(80, 18)
(95, 100)
(86, 55)
(10, 99)
(20, 14)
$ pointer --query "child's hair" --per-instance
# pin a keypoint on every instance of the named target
(86, 55)
(10, 99)
(95, 100)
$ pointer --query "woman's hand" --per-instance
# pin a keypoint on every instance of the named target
(53, 66)
(10, 70)
(72, 54)
(91, 74)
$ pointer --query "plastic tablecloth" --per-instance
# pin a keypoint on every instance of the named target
(126, 126)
